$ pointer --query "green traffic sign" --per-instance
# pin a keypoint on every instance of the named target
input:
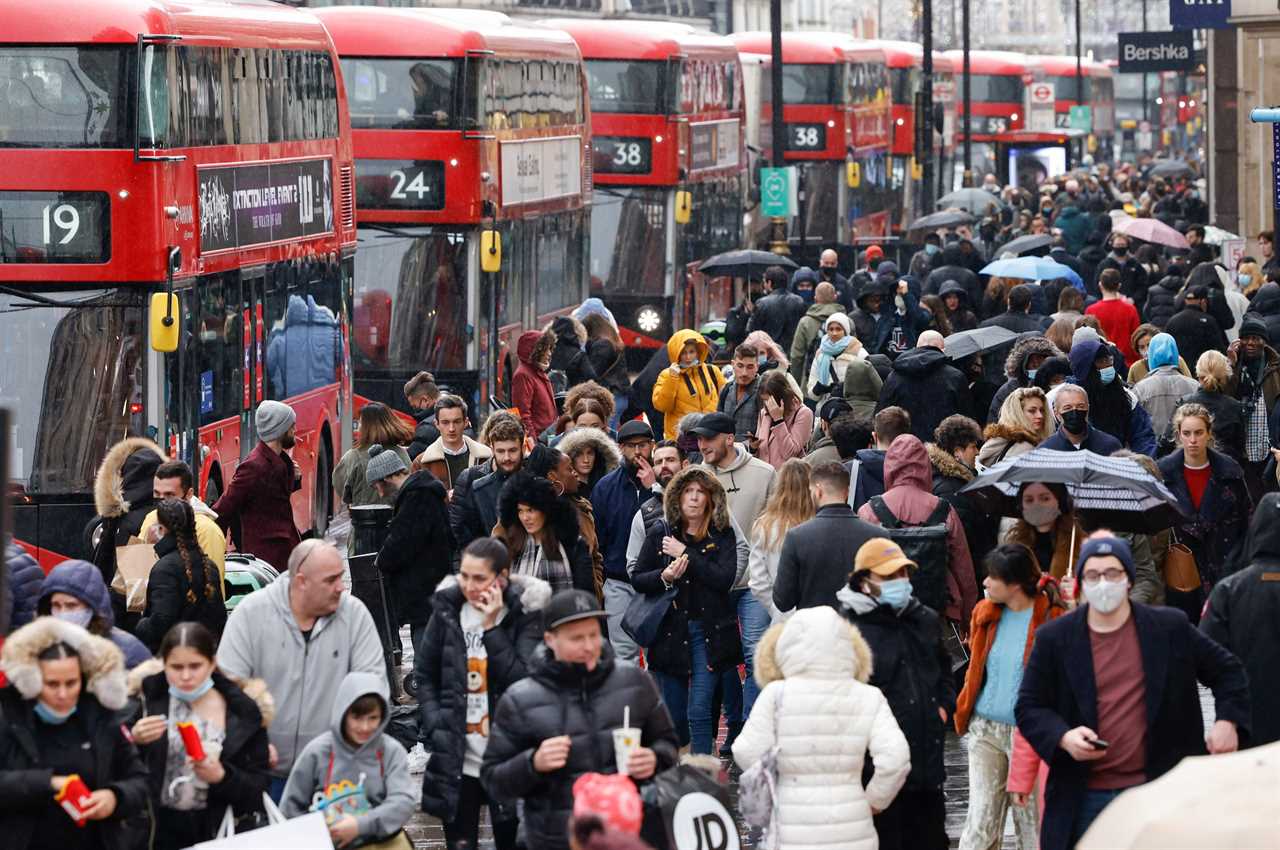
(1081, 118)
(776, 196)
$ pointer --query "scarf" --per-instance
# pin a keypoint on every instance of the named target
(828, 350)
(534, 562)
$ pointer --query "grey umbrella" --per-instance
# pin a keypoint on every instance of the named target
(977, 201)
(1171, 168)
(947, 218)
(964, 344)
(1024, 244)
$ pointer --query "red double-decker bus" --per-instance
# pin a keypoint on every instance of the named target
(152, 144)
(465, 124)
(1099, 94)
(667, 132)
(838, 111)
(997, 92)
(905, 60)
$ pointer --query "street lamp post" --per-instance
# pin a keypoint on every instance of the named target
(777, 124)
(968, 117)
(926, 119)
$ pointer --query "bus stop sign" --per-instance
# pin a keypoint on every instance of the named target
(778, 192)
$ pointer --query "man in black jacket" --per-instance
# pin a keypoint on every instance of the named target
(953, 267)
(779, 311)
(1071, 406)
(1244, 608)
(926, 385)
(1018, 317)
(1133, 277)
(816, 555)
(1109, 698)
(1194, 329)
(558, 723)
(474, 509)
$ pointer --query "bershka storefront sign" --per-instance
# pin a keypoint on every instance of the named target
(1146, 52)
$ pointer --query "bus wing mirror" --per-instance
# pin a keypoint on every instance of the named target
(164, 322)
(684, 206)
(490, 251)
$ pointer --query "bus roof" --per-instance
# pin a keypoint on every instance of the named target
(910, 54)
(653, 41)
(1061, 66)
(248, 23)
(810, 48)
(992, 61)
(418, 33)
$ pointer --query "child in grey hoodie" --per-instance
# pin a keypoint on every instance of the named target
(355, 774)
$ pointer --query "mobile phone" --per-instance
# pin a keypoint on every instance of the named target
(1099, 744)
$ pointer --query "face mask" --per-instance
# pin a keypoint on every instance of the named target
(53, 718)
(1031, 374)
(1075, 421)
(1107, 375)
(827, 273)
(79, 616)
(762, 359)
(1120, 250)
(806, 294)
(694, 362)
(1039, 514)
(193, 694)
(1106, 596)
(931, 249)
(896, 593)
(1244, 279)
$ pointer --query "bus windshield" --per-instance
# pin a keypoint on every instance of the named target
(996, 88)
(402, 94)
(1064, 88)
(59, 96)
(627, 86)
(805, 84)
(629, 240)
(410, 299)
(906, 82)
(72, 366)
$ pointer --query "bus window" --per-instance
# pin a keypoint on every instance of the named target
(627, 86)
(380, 99)
(996, 88)
(629, 240)
(559, 259)
(303, 340)
(220, 332)
(65, 97)
(805, 84)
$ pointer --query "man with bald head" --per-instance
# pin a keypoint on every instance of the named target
(301, 634)
(827, 269)
(925, 384)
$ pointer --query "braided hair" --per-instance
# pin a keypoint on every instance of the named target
(177, 516)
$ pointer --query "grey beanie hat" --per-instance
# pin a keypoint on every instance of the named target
(273, 419)
(383, 463)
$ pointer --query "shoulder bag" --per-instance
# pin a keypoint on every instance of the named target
(758, 787)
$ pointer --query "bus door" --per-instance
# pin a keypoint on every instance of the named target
(253, 338)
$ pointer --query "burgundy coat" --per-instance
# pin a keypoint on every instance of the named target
(259, 497)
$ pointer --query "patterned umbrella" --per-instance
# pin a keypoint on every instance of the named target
(1117, 493)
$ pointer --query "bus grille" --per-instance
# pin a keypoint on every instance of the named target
(348, 197)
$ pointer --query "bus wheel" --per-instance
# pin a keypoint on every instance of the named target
(92, 536)
(212, 490)
(320, 500)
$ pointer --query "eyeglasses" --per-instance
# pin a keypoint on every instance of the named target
(1111, 574)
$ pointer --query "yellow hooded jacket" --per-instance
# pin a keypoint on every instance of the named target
(693, 390)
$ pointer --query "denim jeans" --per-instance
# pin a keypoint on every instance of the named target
(689, 699)
(1090, 807)
(617, 596)
(753, 619)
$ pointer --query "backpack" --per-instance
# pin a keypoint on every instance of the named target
(926, 544)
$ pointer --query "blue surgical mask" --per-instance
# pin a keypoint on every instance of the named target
(1244, 279)
(762, 359)
(78, 616)
(193, 694)
(53, 718)
(896, 593)
(931, 249)
(1031, 374)
(1107, 375)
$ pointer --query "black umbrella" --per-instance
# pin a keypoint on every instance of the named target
(743, 263)
(1117, 493)
(976, 201)
(964, 344)
(1171, 168)
(948, 218)
(1024, 245)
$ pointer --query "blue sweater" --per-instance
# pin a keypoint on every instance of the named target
(1004, 667)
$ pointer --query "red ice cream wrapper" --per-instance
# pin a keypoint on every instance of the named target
(74, 798)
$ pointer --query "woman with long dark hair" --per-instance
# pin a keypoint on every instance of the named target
(543, 535)
(184, 583)
(185, 686)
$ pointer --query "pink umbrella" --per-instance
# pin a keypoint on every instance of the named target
(1153, 230)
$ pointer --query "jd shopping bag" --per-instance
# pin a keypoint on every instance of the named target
(307, 832)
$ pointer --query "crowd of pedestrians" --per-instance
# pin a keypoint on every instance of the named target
(773, 536)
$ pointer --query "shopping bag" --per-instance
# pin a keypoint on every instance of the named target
(644, 616)
(307, 832)
(133, 568)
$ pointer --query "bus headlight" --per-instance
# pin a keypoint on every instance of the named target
(648, 319)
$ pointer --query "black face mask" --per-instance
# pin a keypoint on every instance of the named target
(1120, 250)
(1075, 421)
(827, 272)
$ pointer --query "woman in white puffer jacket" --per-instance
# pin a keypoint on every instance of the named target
(824, 718)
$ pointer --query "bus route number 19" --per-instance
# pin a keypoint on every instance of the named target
(65, 218)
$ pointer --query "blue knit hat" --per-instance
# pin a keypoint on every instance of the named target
(1103, 546)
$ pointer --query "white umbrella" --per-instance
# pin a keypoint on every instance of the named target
(1216, 235)
(1225, 801)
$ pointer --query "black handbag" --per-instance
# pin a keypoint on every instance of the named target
(644, 615)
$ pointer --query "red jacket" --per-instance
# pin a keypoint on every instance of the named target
(258, 496)
(531, 391)
(908, 493)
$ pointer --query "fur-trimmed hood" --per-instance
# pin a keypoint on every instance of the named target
(703, 477)
(538, 493)
(813, 643)
(947, 464)
(101, 662)
(606, 450)
(533, 592)
(1015, 363)
(996, 431)
(126, 476)
(254, 689)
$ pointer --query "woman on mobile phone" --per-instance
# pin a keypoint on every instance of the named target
(484, 628)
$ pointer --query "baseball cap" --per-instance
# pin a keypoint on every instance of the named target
(633, 429)
(568, 606)
(833, 406)
(881, 556)
(1198, 292)
(714, 424)
(874, 251)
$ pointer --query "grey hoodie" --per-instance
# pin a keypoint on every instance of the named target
(380, 763)
(747, 483)
(262, 640)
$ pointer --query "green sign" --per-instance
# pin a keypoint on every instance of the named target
(778, 192)
(1081, 118)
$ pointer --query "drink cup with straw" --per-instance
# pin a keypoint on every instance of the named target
(625, 741)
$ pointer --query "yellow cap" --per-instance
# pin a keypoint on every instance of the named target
(881, 556)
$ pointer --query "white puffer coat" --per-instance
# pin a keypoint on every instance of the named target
(816, 665)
